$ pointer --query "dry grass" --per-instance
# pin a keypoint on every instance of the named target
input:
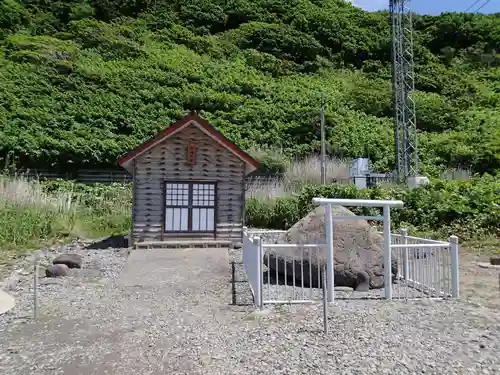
(297, 173)
(31, 217)
(20, 192)
(308, 170)
(269, 188)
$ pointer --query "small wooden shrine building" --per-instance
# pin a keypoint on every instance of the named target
(188, 184)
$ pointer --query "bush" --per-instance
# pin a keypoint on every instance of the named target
(30, 215)
(35, 214)
(270, 160)
(278, 213)
(465, 208)
(83, 82)
(104, 209)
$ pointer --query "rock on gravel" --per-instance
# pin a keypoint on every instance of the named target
(70, 260)
(57, 270)
(100, 267)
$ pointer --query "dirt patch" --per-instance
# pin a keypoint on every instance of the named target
(479, 285)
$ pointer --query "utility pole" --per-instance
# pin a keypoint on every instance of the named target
(323, 140)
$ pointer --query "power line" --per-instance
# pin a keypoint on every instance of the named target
(482, 6)
(472, 6)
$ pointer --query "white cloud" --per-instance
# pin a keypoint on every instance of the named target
(371, 5)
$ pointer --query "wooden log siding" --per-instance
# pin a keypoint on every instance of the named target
(167, 161)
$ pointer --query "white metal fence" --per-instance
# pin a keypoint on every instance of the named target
(284, 279)
(252, 262)
(290, 273)
(293, 278)
(426, 268)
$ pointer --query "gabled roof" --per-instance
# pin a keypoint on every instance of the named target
(191, 119)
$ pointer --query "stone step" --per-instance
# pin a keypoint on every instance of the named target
(182, 244)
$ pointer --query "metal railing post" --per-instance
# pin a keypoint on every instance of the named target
(455, 281)
(406, 261)
(330, 252)
(325, 303)
(257, 241)
(387, 253)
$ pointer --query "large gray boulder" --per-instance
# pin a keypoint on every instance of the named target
(359, 255)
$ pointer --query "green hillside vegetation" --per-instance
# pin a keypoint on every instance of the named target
(84, 81)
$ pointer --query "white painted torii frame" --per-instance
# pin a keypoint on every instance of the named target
(386, 218)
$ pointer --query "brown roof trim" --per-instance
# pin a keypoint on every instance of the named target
(218, 136)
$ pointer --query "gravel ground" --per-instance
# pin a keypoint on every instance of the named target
(187, 325)
(99, 269)
(370, 336)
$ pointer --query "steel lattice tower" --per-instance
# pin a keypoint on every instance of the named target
(405, 130)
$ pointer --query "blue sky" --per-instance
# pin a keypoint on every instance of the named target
(433, 6)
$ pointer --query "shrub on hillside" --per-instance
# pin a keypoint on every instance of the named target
(465, 208)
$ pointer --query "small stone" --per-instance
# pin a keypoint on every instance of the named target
(262, 312)
(71, 260)
(57, 270)
(42, 271)
(343, 289)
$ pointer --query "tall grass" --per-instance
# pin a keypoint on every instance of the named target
(297, 174)
(32, 215)
(20, 192)
(308, 171)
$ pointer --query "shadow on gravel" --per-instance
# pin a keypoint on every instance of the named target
(116, 242)
(237, 297)
(274, 279)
